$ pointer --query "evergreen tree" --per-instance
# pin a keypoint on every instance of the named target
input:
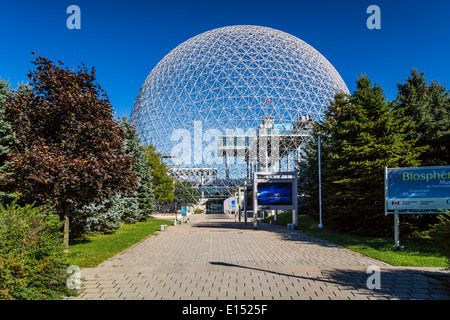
(106, 215)
(7, 139)
(308, 177)
(361, 134)
(134, 148)
(427, 111)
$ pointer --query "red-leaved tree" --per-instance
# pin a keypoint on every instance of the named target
(70, 148)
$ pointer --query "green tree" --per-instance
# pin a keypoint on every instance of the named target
(186, 194)
(308, 177)
(134, 148)
(426, 108)
(70, 149)
(361, 134)
(163, 182)
(106, 215)
(7, 139)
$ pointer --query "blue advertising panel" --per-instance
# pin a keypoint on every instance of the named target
(183, 211)
(233, 203)
(275, 194)
(418, 188)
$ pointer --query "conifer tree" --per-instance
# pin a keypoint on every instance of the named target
(7, 139)
(361, 134)
(308, 173)
(427, 112)
(134, 148)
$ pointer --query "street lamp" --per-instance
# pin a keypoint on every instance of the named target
(320, 188)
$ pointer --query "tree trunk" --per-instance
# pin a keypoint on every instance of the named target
(66, 225)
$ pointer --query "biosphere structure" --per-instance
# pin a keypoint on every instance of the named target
(232, 101)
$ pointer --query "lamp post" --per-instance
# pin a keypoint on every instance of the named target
(320, 188)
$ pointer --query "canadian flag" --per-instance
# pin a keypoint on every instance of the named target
(395, 202)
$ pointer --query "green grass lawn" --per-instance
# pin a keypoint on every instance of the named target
(90, 251)
(418, 252)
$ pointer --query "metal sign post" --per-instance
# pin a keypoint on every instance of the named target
(245, 201)
(183, 212)
(275, 191)
(416, 190)
(240, 202)
(255, 209)
(248, 200)
(397, 231)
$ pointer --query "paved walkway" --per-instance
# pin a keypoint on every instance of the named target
(214, 257)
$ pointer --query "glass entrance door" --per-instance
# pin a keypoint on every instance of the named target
(215, 207)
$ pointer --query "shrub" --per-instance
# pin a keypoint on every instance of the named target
(7, 198)
(284, 218)
(32, 258)
(198, 211)
(441, 233)
(107, 215)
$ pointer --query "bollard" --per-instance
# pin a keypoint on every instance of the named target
(163, 227)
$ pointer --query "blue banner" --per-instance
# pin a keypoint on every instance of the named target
(418, 188)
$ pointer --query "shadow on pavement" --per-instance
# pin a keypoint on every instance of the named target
(286, 234)
(403, 284)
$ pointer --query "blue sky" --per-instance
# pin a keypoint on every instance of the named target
(124, 40)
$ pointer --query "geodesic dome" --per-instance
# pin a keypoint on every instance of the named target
(232, 101)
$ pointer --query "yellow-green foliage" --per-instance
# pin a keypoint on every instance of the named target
(32, 260)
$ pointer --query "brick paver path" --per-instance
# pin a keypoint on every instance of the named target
(214, 257)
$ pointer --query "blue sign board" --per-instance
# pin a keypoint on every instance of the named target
(275, 193)
(183, 211)
(418, 188)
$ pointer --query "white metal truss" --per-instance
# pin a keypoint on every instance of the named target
(228, 82)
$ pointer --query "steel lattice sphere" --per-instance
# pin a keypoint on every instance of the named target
(232, 101)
